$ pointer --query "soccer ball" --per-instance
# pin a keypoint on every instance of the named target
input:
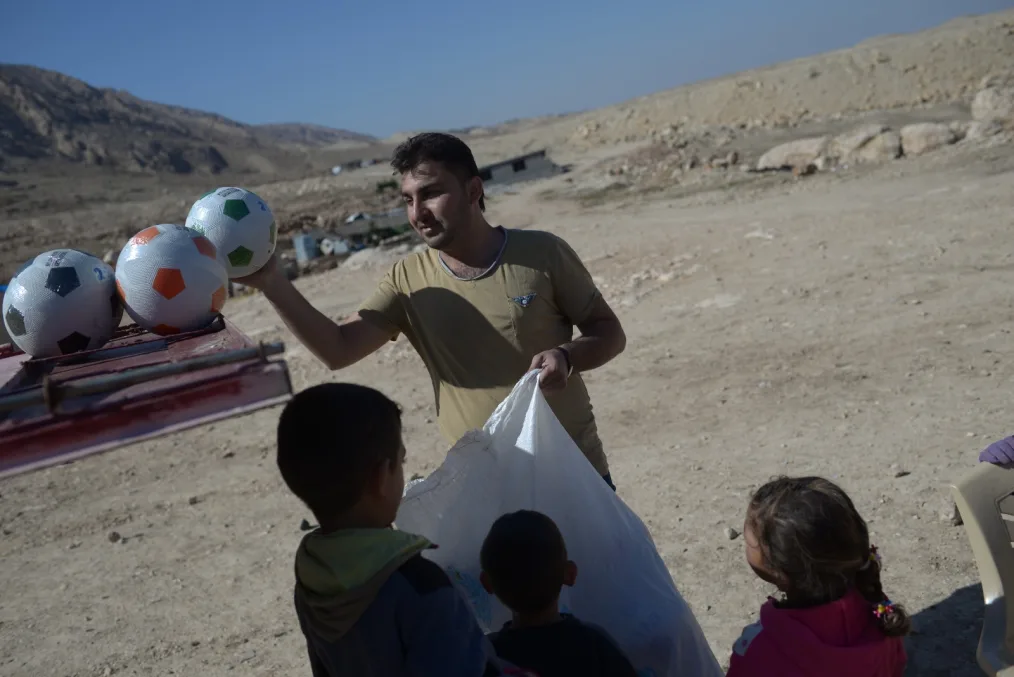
(61, 302)
(171, 279)
(240, 224)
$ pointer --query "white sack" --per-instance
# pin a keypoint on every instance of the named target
(524, 459)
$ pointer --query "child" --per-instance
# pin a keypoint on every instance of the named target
(804, 536)
(367, 601)
(524, 563)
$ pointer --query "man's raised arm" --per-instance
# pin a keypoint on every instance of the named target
(336, 344)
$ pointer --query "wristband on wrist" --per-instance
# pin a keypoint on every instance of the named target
(566, 358)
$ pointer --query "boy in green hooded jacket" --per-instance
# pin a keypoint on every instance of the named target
(367, 601)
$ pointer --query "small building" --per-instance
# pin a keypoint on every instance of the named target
(363, 227)
(527, 167)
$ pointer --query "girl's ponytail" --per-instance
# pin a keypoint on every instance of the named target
(894, 620)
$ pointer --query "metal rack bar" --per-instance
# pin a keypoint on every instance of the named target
(52, 393)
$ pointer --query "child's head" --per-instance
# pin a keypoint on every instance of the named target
(340, 451)
(524, 562)
(804, 535)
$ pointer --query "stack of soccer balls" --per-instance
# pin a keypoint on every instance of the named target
(169, 278)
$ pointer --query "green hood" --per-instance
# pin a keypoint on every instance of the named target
(339, 574)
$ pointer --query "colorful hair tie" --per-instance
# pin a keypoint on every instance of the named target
(874, 556)
(883, 608)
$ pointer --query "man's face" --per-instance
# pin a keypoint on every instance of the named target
(439, 204)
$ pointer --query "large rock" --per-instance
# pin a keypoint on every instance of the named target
(844, 145)
(868, 143)
(960, 128)
(923, 137)
(995, 102)
(983, 129)
(795, 154)
(881, 148)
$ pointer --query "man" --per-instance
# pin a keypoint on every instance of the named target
(482, 305)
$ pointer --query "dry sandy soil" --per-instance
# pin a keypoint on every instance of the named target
(854, 324)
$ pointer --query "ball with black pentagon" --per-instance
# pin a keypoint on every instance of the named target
(61, 302)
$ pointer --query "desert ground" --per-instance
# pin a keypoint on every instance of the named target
(852, 327)
(853, 323)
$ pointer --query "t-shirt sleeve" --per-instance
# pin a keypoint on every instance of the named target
(442, 637)
(385, 308)
(574, 290)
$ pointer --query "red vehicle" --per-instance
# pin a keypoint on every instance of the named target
(136, 387)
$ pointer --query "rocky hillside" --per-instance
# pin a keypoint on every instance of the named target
(941, 66)
(46, 115)
(310, 136)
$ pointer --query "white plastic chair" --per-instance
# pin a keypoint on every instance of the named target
(985, 500)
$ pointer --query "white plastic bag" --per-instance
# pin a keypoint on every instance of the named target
(524, 459)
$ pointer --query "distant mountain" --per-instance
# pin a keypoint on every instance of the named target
(46, 116)
(313, 136)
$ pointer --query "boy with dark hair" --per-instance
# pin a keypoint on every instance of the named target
(367, 601)
(524, 563)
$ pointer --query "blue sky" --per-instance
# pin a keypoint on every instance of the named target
(379, 67)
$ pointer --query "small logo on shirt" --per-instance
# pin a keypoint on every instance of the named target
(524, 301)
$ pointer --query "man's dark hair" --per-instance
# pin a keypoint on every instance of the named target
(525, 558)
(332, 439)
(437, 147)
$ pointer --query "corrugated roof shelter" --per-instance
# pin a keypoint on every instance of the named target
(528, 167)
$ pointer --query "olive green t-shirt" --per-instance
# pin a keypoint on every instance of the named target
(478, 337)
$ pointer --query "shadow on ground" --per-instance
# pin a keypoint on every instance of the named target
(945, 636)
